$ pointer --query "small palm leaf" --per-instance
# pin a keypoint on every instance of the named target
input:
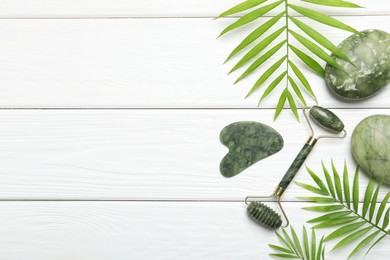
(241, 7)
(256, 9)
(293, 247)
(318, 37)
(273, 85)
(292, 104)
(251, 17)
(335, 3)
(280, 104)
(260, 61)
(322, 18)
(255, 34)
(309, 61)
(266, 75)
(352, 225)
(316, 50)
(257, 49)
(297, 91)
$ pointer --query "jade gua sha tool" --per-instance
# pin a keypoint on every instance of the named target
(248, 142)
(263, 214)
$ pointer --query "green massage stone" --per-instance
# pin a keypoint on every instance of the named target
(369, 51)
(248, 142)
(371, 146)
(326, 119)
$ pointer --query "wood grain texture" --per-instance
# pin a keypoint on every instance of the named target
(68, 59)
(148, 8)
(100, 63)
(149, 154)
(131, 230)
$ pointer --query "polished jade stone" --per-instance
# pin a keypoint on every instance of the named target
(295, 166)
(248, 142)
(369, 51)
(371, 146)
(326, 119)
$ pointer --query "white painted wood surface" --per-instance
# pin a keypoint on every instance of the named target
(149, 154)
(149, 8)
(132, 172)
(99, 63)
(141, 230)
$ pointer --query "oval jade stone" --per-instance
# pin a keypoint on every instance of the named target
(371, 146)
(326, 119)
(369, 51)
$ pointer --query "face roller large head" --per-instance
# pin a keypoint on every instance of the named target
(262, 213)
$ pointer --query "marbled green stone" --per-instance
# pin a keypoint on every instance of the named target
(369, 51)
(248, 142)
(295, 166)
(326, 119)
(371, 146)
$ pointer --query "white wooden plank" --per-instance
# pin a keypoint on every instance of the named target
(123, 230)
(149, 154)
(148, 8)
(138, 63)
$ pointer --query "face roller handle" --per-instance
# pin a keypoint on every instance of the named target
(297, 163)
(324, 118)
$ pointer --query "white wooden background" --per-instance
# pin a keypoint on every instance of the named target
(110, 115)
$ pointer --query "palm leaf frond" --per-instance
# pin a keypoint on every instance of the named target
(352, 224)
(293, 247)
(316, 43)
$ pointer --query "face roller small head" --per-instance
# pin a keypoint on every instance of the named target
(326, 119)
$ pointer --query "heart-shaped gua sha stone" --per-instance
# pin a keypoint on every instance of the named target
(248, 142)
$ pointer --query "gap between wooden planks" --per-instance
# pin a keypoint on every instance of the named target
(139, 230)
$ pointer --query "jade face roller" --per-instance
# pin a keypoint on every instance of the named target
(264, 215)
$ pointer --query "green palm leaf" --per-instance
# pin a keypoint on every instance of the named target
(280, 104)
(344, 230)
(306, 248)
(273, 85)
(322, 18)
(352, 237)
(319, 38)
(266, 75)
(250, 17)
(352, 225)
(257, 49)
(303, 79)
(260, 61)
(363, 243)
(347, 191)
(241, 7)
(309, 61)
(297, 90)
(328, 180)
(335, 3)
(337, 183)
(367, 196)
(373, 202)
(336, 222)
(333, 215)
(382, 208)
(316, 50)
(255, 34)
(355, 192)
(306, 242)
(292, 104)
(257, 9)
